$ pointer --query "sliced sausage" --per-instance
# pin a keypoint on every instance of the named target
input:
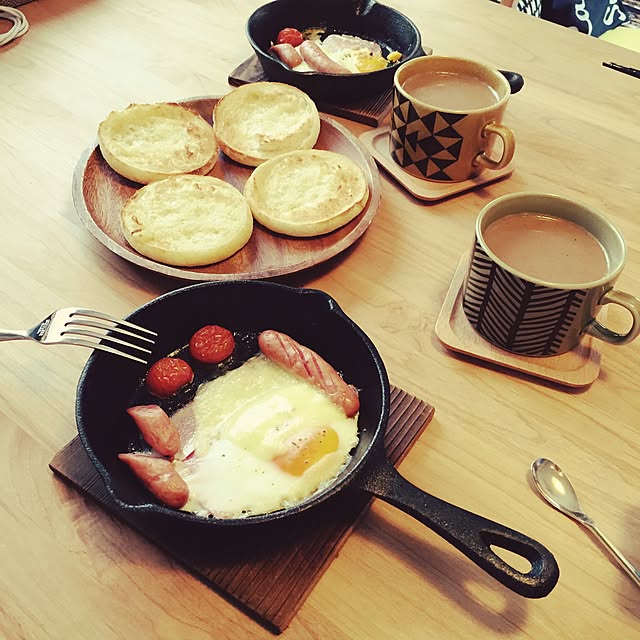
(159, 477)
(156, 428)
(308, 365)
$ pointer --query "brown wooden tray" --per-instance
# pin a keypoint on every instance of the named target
(267, 571)
(99, 193)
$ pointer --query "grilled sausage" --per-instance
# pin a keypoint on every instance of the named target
(318, 60)
(308, 365)
(287, 53)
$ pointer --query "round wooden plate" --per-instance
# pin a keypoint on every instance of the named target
(99, 193)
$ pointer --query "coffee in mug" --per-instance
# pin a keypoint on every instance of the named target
(542, 266)
(451, 91)
(547, 248)
(446, 116)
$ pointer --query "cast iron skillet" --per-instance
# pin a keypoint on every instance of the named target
(109, 384)
(365, 18)
(368, 19)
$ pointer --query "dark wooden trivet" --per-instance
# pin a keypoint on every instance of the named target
(267, 570)
(371, 111)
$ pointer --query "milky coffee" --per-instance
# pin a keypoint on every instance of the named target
(547, 248)
(451, 91)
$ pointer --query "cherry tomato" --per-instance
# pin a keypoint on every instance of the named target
(290, 36)
(168, 375)
(212, 344)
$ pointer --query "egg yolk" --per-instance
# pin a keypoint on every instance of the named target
(306, 449)
(366, 63)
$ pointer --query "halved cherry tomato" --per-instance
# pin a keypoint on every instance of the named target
(212, 344)
(290, 36)
(168, 375)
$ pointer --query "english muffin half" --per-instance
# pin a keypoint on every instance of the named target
(150, 142)
(306, 193)
(259, 121)
(187, 220)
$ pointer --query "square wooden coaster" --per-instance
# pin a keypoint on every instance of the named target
(377, 144)
(577, 368)
(266, 570)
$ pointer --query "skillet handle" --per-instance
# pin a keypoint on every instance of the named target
(362, 7)
(515, 80)
(470, 533)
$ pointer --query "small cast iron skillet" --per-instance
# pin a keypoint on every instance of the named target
(367, 19)
(109, 384)
(364, 18)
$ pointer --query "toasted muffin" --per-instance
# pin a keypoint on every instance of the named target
(187, 220)
(259, 121)
(149, 142)
(306, 193)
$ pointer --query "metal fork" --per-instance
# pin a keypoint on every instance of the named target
(86, 328)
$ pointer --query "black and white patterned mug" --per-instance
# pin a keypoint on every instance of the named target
(446, 116)
(542, 266)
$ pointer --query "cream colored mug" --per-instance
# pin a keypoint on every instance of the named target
(446, 118)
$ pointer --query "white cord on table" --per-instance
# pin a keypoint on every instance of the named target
(19, 28)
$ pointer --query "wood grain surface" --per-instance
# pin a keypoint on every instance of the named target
(99, 194)
(70, 569)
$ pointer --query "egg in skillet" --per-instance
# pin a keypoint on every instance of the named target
(263, 440)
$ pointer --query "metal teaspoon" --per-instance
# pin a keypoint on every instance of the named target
(556, 489)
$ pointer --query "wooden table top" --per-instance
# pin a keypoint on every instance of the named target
(70, 570)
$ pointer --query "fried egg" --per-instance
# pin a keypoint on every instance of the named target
(264, 440)
(353, 53)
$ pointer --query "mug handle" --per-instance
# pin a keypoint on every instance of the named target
(631, 304)
(508, 146)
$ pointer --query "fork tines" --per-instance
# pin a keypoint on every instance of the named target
(94, 329)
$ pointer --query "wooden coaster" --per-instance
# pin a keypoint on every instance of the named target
(377, 143)
(266, 570)
(577, 368)
(370, 111)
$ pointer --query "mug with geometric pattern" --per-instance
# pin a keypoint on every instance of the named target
(533, 317)
(443, 143)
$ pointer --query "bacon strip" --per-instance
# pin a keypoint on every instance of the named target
(308, 365)
(156, 428)
(318, 60)
(160, 477)
(287, 53)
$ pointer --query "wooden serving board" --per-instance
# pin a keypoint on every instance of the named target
(99, 194)
(267, 570)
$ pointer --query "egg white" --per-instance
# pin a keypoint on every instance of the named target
(243, 420)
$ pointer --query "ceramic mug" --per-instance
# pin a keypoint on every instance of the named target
(542, 266)
(446, 116)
